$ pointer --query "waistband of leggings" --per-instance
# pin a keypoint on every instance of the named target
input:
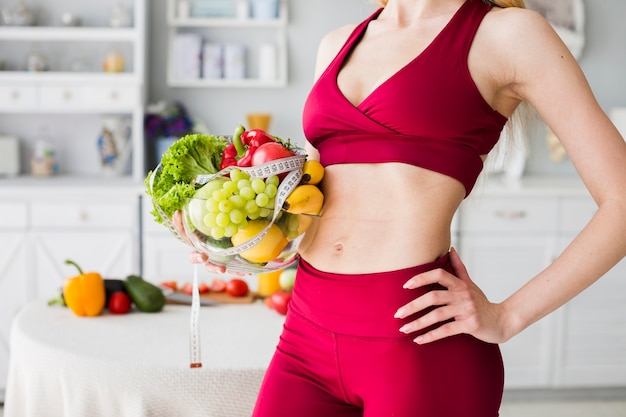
(359, 304)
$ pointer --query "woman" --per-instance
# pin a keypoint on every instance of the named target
(384, 319)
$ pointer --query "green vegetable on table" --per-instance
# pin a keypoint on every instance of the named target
(184, 160)
(146, 296)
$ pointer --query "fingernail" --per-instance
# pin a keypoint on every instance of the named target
(405, 329)
(419, 339)
(199, 258)
(400, 313)
(409, 285)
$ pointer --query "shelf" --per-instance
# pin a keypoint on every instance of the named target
(74, 34)
(221, 82)
(82, 77)
(227, 22)
(245, 30)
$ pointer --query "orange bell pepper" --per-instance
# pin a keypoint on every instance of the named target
(84, 294)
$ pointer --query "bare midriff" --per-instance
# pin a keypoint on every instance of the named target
(381, 217)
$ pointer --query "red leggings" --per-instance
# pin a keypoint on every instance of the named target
(341, 354)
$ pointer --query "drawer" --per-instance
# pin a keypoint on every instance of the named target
(13, 215)
(61, 97)
(112, 96)
(92, 214)
(576, 213)
(509, 214)
(17, 97)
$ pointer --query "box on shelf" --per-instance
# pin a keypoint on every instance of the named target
(187, 56)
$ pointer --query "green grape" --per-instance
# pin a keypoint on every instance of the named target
(292, 222)
(243, 184)
(222, 219)
(217, 232)
(236, 216)
(209, 219)
(253, 216)
(251, 207)
(237, 175)
(238, 201)
(220, 195)
(271, 203)
(265, 212)
(247, 193)
(231, 230)
(230, 187)
(258, 185)
(225, 206)
(272, 179)
(212, 204)
(262, 200)
(271, 190)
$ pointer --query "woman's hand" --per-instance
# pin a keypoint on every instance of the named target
(201, 258)
(464, 302)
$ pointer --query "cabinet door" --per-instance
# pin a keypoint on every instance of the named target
(500, 264)
(592, 348)
(13, 291)
(111, 253)
(165, 258)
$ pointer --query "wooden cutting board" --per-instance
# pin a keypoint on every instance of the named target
(215, 297)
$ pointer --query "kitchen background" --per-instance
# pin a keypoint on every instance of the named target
(220, 108)
(74, 133)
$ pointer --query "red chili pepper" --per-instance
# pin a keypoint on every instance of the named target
(245, 143)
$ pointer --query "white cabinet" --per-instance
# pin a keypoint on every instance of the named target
(41, 227)
(504, 242)
(165, 258)
(75, 82)
(593, 325)
(264, 42)
(507, 237)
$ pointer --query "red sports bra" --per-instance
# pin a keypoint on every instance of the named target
(428, 114)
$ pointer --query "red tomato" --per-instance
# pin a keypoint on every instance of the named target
(173, 285)
(187, 288)
(218, 285)
(279, 301)
(269, 152)
(119, 303)
(237, 287)
(203, 287)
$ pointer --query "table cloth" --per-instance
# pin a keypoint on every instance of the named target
(138, 364)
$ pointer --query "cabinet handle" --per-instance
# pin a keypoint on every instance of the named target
(67, 95)
(15, 95)
(114, 96)
(82, 216)
(510, 214)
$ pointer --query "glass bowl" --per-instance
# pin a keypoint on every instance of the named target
(236, 217)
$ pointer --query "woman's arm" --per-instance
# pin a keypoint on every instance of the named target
(544, 73)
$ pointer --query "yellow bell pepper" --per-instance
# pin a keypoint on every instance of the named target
(84, 294)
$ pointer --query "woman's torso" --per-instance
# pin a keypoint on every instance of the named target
(385, 216)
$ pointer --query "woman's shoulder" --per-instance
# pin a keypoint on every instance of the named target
(514, 25)
(331, 44)
(518, 37)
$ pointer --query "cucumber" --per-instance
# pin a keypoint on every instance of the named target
(147, 297)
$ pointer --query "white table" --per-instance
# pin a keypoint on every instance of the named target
(138, 364)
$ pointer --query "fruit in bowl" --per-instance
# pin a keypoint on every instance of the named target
(250, 214)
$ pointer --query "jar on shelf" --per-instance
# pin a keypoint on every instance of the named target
(36, 61)
(120, 16)
(43, 162)
(114, 61)
(114, 145)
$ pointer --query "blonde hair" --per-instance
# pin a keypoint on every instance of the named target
(498, 3)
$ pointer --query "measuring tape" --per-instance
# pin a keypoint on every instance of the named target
(195, 356)
(292, 165)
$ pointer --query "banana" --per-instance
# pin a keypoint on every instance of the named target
(312, 172)
(304, 199)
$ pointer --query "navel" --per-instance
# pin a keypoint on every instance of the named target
(338, 248)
